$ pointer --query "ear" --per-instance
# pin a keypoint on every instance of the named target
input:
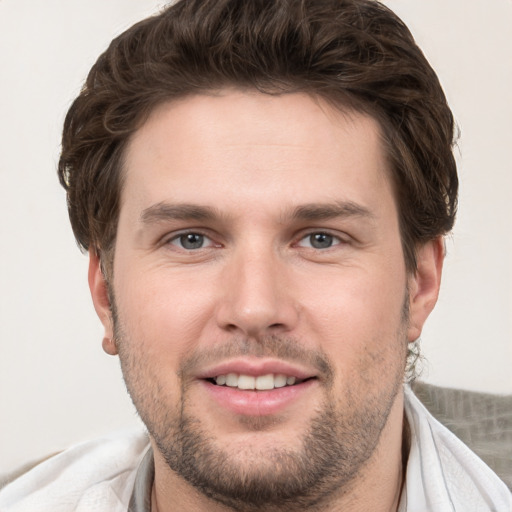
(101, 301)
(424, 285)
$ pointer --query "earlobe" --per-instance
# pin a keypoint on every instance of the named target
(424, 285)
(101, 301)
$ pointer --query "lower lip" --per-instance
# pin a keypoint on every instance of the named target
(257, 403)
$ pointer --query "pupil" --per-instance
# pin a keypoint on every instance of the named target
(321, 240)
(192, 241)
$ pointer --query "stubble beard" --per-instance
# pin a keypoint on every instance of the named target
(328, 462)
(331, 456)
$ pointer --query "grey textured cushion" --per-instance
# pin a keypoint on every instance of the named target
(482, 421)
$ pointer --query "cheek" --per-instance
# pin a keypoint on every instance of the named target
(354, 318)
(353, 299)
(165, 313)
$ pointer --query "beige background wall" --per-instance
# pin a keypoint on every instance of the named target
(56, 385)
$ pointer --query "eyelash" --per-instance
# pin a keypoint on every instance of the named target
(178, 240)
(180, 236)
(335, 239)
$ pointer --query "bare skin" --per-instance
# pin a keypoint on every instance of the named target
(259, 236)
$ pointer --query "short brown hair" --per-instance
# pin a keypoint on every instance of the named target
(355, 53)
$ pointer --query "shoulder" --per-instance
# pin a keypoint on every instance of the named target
(91, 476)
(443, 471)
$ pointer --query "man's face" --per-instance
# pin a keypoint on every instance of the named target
(258, 246)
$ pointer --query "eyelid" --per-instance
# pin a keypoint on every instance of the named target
(340, 238)
(176, 235)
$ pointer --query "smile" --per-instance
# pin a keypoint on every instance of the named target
(259, 383)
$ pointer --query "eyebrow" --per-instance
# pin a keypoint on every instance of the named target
(162, 212)
(314, 211)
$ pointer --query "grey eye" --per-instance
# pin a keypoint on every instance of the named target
(321, 240)
(191, 241)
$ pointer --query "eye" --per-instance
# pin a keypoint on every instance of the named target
(191, 241)
(319, 240)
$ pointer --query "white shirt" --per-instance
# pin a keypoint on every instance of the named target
(443, 475)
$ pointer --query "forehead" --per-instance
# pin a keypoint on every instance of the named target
(232, 148)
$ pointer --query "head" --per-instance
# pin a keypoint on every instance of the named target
(355, 54)
(263, 187)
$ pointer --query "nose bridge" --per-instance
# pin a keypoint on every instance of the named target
(256, 299)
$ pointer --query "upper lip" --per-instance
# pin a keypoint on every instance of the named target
(255, 368)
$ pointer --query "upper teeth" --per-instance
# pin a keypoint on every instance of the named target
(262, 382)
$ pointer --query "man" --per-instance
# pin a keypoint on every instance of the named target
(263, 189)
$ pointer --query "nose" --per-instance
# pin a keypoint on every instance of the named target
(258, 297)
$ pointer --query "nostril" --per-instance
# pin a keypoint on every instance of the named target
(279, 329)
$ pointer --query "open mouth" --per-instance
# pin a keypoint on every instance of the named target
(259, 383)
